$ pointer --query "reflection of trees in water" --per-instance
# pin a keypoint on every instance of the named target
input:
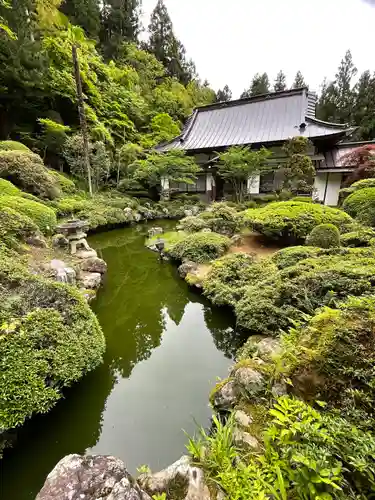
(220, 322)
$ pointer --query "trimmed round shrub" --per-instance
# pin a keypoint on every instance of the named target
(290, 256)
(362, 184)
(44, 217)
(200, 247)
(50, 339)
(229, 276)
(15, 226)
(364, 237)
(324, 236)
(27, 171)
(293, 220)
(65, 184)
(7, 188)
(13, 146)
(192, 224)
(286, 295)
(303, 199)
(361, 205)
(221, 218)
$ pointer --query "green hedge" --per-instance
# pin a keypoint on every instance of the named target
(192, 224)
(271, 304)
(292, 220)
(44, 217)
(7, 188)
(65, 184)
(49, 339)
(324, 236)
(15, 226)
(200, 247)
(292, 255)
(13, 146)
(27, 171)
(363, 237)
(361, 205)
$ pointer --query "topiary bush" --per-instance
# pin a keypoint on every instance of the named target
(292, 220)
(7, 188)
(361, 205)
(49, 339)
(362, 184)
(324, 236)
(229, 276)
(286, 295)
(65, 184)
(44, 217)
(15, 227)
(200, 247)
(192, 224)
(363, 237)
(221, 218)
(27, 171)
(13, 146)
(290, 256)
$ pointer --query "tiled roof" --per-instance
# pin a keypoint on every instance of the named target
(262, 119)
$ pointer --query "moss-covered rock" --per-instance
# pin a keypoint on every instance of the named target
(292, 220)
(324, 236)
(361, 205)
(27, 171)
(44, 217)
(49, 338)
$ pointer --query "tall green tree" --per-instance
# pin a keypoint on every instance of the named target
(260, 85)
(280, 82)
(224, 94)
(84, 13)
(326, 107)
(343, 84)
(364, 106)
(120, 23)
(166, 47)
(299, 81)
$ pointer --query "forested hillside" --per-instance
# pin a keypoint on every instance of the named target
(134, 92)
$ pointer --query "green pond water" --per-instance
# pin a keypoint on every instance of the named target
(165, 348)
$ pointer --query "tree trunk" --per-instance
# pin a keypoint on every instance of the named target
(82, 116)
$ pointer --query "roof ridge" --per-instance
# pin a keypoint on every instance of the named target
(255, 98)
(329, 124)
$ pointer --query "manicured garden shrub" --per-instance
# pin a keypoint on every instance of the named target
(361, 205)
(44, 217)
(7, 188)
(289, 256)
(49, 339)
(229, 276)
(27, 171)
(192, 224)
(337, 364)
(13, 146)
(292, 220)
(200, 247)
(271, 304)
(324, 236)
(65, 184)
(15, 226)
(221, 218)
(303, 199)
(363, 237)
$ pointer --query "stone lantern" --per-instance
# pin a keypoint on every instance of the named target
(74, 231)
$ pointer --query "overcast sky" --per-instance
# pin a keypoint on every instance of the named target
(230, 40)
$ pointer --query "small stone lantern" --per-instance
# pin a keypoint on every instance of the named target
(73, 230)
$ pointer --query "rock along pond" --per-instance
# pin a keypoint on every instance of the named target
(165, 348)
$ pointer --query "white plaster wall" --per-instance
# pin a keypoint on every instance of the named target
(210, 182)
(319, 186)
(333, 189)
(253, 184)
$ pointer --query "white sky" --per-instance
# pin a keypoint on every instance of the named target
(231, 40)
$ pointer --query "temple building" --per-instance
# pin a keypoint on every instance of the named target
(267, 120)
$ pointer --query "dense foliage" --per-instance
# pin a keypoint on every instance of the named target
(293, 220)
(361, 205)
(299, 171)
(15, 227)
(324, 236)
(44, 217)
(199, 247)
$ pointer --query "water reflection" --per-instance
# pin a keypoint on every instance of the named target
(165, 347)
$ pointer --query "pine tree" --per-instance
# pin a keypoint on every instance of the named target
(120, 23)
(167, 48)
(260, 85)
(84, 13)
(364, 106)
(345, 95)
(299, 81)
(280, 82)
(326, 107)
(224, 94)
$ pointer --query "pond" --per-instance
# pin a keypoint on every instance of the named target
(166, 346)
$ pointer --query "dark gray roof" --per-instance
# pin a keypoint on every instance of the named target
(262, 119)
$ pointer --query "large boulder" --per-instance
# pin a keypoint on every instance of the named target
(94, 265)
(91, 478)
(224, 397)
(250, 380)
(187, 267)
(91, 281)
